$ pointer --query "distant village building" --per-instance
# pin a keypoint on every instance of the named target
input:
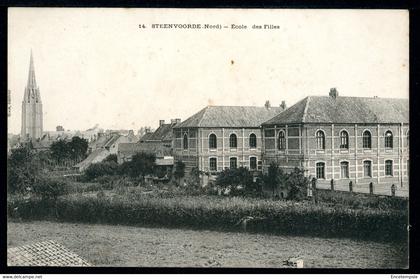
(220, 137)
(105, 145)
(31, 108)
(158, 143)
(357, 139)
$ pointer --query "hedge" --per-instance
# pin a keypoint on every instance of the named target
(277, 217)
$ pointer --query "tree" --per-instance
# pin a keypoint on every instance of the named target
(193, 179)
(75, 150)
(274, 177)
(140, 165)
(179, 171)
(22, 170)
(101, 169)
(235, 177)
(297, 184)
(78, 148)
(111, 158)
(60, 150)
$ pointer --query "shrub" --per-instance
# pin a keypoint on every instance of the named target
(140, 165)
(205, 212)
(239, 182)
(360, 200)
(22, 170)
(101, 169)
(111, 158)
(49, 188)
(297, 184)
(179, 171)
(274, 177)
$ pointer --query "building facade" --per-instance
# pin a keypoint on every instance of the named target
(31, 108)
(158, 143)
(220, 137)
(344, 139)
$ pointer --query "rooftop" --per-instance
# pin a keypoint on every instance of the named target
(230, 116)
(346, 110)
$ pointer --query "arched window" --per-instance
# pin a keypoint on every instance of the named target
(252, 141)
(344, 169)
(212, 141)
(233, 163)
(282, 141)
(389, 168)
(388, 139)
(320, 140)
(367, 140)
(233, 141)
(344, 140)
(185, 141)
(213, 164)
(253, 163)
(320, 170)
(367, 169)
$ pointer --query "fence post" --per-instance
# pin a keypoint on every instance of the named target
(332, 184)
(314, 191)
(393, 190)
(371, 188)
(351, 186)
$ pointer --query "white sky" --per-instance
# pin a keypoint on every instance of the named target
(96, 66)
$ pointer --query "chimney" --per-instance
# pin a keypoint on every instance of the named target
(177, 120)
(161, 122)
(147, 130)
(333, 93)
(283, 105)
(267, 104)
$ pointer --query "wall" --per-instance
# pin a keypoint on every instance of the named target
(305, 152)
(198, 152)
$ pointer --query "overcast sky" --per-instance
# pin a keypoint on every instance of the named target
(96, 66)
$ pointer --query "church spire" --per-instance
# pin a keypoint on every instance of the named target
(31, 76)
(31, 107)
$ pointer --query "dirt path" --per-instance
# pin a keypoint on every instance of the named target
(106, 245)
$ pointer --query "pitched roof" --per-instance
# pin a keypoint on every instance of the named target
(92, 157)
(324, 109)
(129, 147)
(157, 148)
(164, 132)
(230, 116)
(146, 136)
(112, 140)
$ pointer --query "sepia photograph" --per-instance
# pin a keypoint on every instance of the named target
(208, 138)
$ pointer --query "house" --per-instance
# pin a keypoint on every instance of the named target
(339, 140)
(220, 137)
(96, 156)
(158, 142)
(103, 146)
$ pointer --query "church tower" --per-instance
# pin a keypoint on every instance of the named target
(31, 107)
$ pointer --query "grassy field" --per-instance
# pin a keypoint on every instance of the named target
(105, 245)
